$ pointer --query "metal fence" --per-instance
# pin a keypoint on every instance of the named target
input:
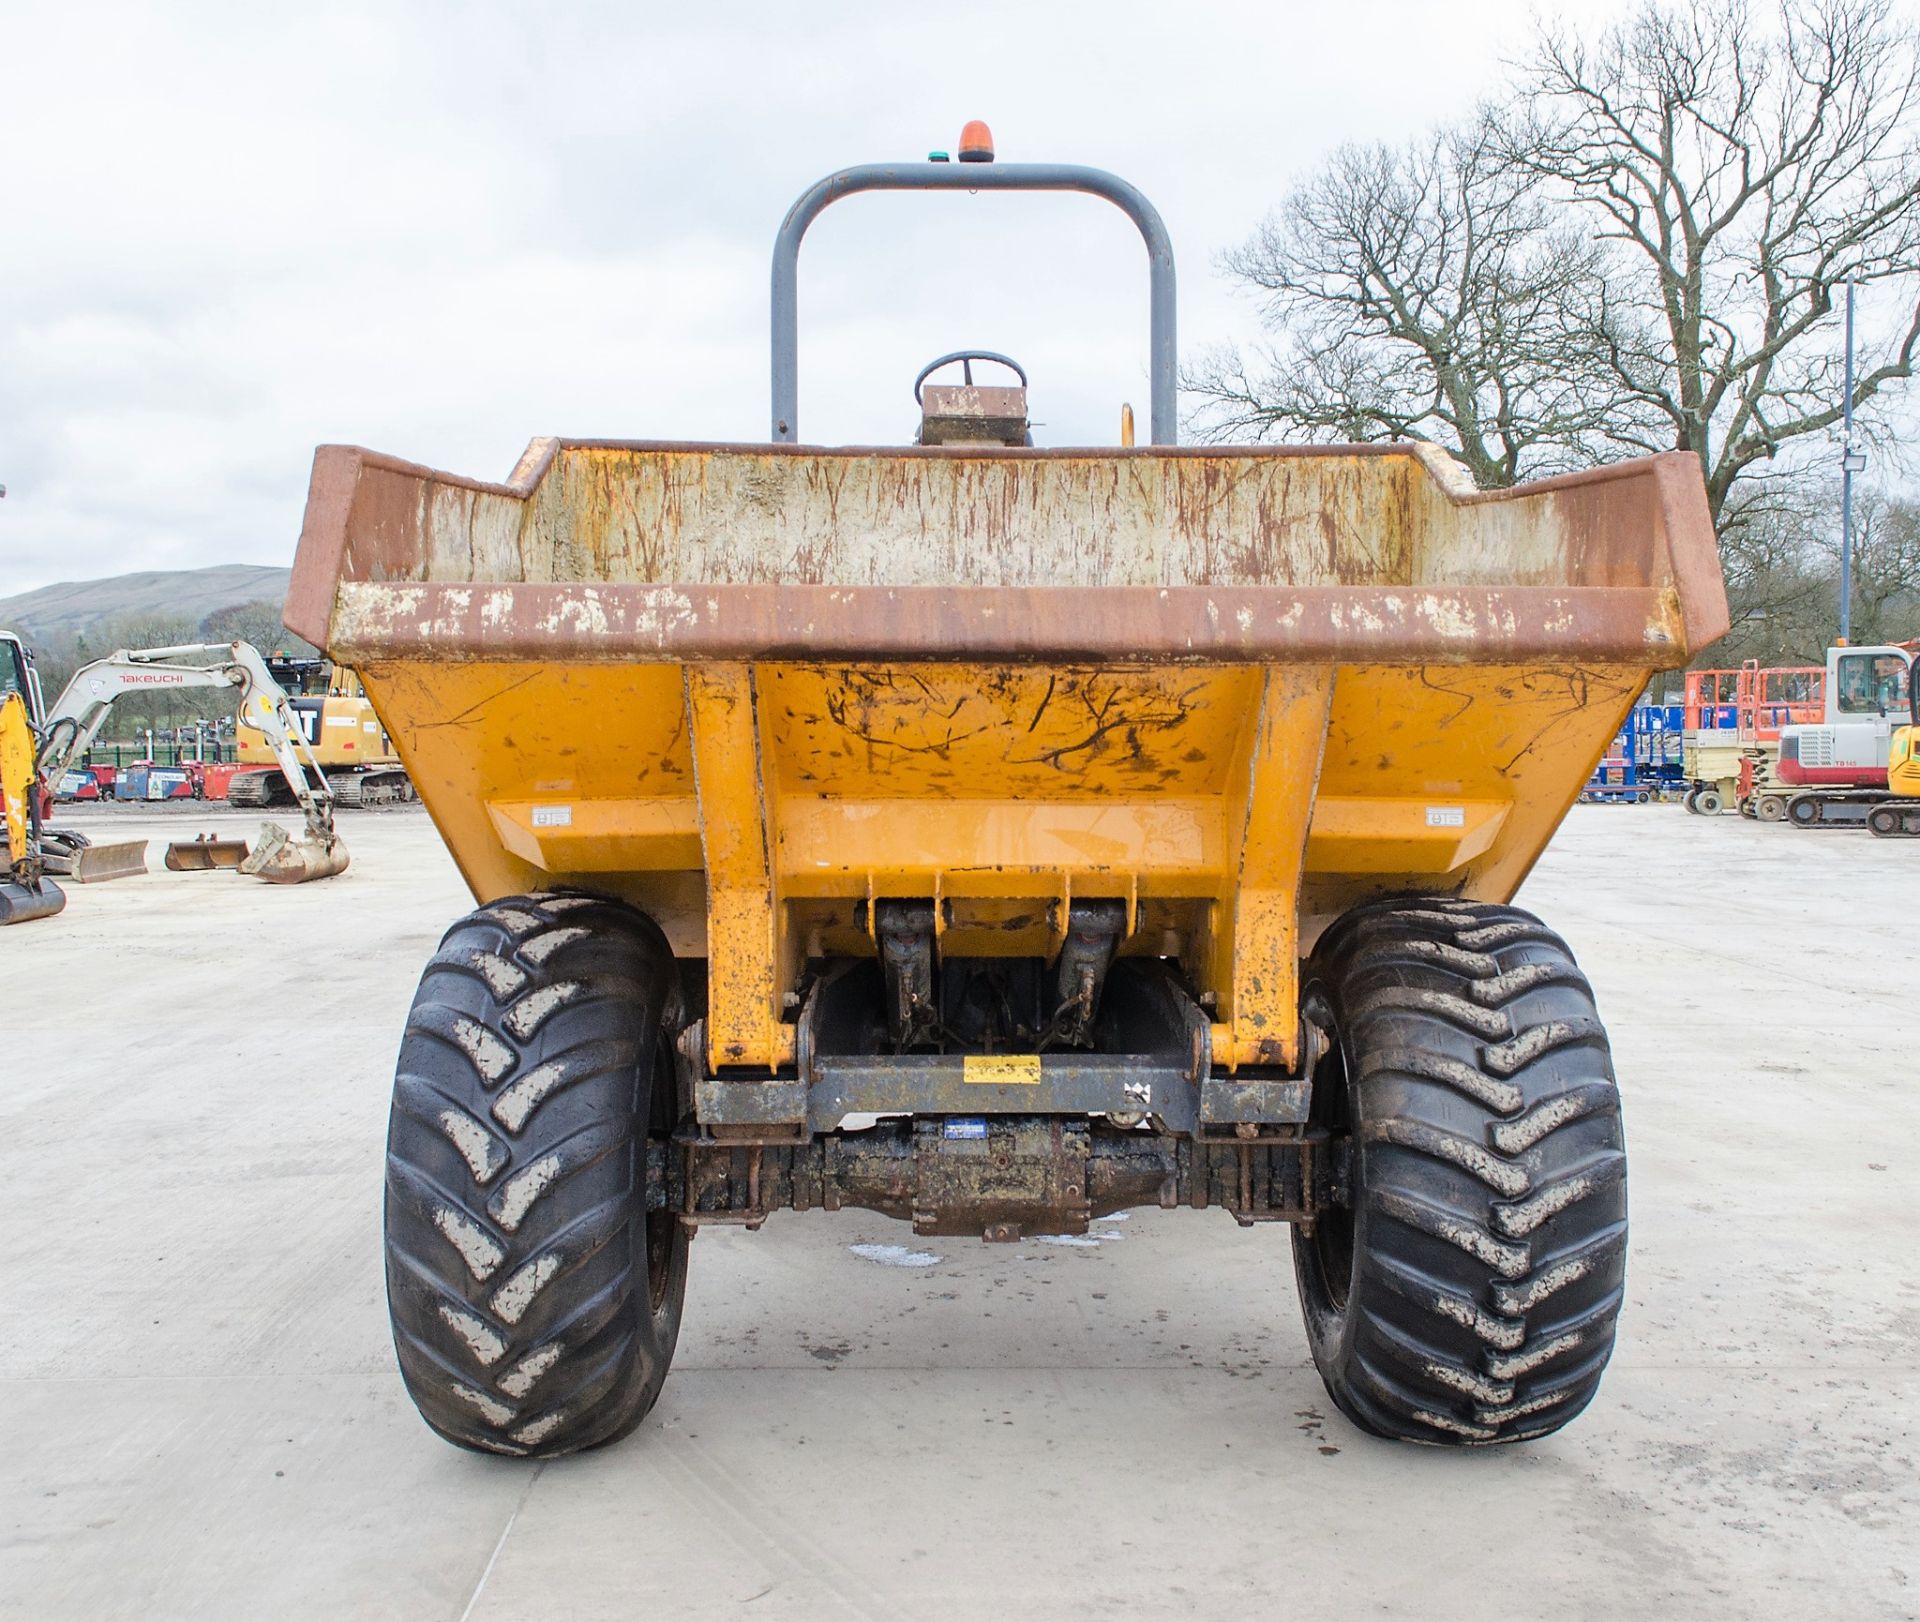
(160, 751)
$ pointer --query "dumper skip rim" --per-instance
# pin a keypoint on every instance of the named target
(360, 616)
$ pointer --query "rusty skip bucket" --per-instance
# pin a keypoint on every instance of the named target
(751, 687)
(1121, 825)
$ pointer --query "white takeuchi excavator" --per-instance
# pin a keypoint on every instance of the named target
(73, 720)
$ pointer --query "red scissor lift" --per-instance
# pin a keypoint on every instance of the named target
(1733, 722)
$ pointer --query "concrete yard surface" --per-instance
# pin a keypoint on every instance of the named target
(204, 1419)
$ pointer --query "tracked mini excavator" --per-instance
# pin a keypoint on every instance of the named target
(1859, 764)
(74, 719)
(35, 751)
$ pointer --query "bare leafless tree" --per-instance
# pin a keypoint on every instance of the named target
(1781, 552)
(1641, 246)
(1886, 568)
(1779, 588)
(1743, 165)
(1425, 293)
(257, 622)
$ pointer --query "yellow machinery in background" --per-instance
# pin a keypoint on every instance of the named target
(341, 729)
(1118, 826)
(25, 890)
(62, 851)
(1899, 816)
(1903, 764)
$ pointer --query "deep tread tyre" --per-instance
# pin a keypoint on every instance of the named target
(535, 1303)
(1468, 1290)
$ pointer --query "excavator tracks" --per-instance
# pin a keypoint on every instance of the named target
(265, 788)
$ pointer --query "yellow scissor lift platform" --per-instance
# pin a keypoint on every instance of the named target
(1121, 826)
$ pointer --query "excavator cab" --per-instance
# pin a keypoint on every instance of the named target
(1872, 682)
(17, 674)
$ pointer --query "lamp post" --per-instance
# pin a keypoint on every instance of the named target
(1851, 462)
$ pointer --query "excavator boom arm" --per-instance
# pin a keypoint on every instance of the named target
(76, 716)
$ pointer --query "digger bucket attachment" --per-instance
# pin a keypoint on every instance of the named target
(279, 858)
(204, 854)
(21, 903)
(76, 857)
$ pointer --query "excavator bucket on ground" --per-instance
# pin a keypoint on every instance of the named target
(280, 858)
(75, 856)
(22, 903)
(205, 853)
(1122, 826)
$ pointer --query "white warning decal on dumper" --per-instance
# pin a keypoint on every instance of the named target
(1446, 816)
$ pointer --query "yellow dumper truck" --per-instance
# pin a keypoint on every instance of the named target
(998, 837)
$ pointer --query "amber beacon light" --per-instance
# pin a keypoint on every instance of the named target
(976, 142)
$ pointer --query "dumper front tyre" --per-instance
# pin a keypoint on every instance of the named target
(1467, 1289)
(535, 1299)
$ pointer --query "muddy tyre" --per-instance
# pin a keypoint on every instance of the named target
(535, 1302)
(1467, 1290)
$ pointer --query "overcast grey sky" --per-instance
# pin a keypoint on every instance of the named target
(232, 233)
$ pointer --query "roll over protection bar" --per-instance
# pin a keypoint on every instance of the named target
(1162, 347)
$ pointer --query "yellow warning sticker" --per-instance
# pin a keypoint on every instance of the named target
(1001, 1070)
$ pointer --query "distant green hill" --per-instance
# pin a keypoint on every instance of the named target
(70, 608)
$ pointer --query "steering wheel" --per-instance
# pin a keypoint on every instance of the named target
(967, 357)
